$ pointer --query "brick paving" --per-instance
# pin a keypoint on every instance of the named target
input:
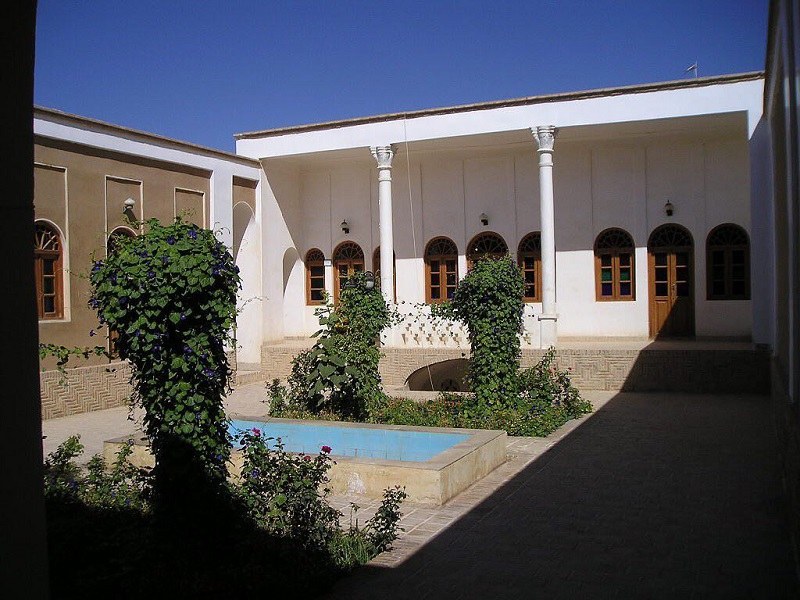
(653, 496)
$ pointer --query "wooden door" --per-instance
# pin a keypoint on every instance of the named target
(671, 275)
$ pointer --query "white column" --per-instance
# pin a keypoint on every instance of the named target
(545, 138)
(383, 155)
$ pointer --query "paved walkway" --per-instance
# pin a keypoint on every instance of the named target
(652, 496)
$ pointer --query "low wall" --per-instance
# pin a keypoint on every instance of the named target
(685, 367)
(84, 389)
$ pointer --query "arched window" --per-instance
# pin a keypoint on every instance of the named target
(485, 245)
(117, 237)
(376, 267)
(728, 263)
(48, 261)
(315, 277)
(614, 265)
(529, 258)
(348, 258)
(441, 270)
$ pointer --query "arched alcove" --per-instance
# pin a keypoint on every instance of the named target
(443, 376)
(242, 216)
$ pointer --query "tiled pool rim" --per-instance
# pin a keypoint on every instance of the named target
(433, 481)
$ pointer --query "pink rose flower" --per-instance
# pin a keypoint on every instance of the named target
(326, 449)
(256, 432)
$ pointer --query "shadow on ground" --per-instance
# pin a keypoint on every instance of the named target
(654, 496)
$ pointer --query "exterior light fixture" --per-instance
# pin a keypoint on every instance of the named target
(345, 226)
(484, 219)
(130, 203)
(668, 208)
(369, 280)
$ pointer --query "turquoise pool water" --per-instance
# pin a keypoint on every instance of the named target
(390, 444)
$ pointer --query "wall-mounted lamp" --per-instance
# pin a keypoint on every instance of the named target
(129, 205)
(669, 209)
(484, 219)
(369, 280)
(345, 226)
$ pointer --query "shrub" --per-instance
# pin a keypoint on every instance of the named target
(170, 295)
(286, 495)
(339, 374)
(122, 486)
(489, 302)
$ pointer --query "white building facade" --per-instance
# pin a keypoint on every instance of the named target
(628, 210)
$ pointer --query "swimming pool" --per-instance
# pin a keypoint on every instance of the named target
(358, 442)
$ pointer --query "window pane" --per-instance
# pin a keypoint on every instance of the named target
(49, 285)
(625, 260)
(738, 288)
(451, 279)
(49, 304)
(317, 282)
(316, 295)
(435, 293)
(530, 277)
(342, 270)
(528, 262)
(435, 279)
(606, 289)
(682, 289)
(451, 266)
(605, 260)
(317, 271)
(661, 274)
(48, 266)
(625, 274)
(625, 289)
(434, 265)
(358, 268)
(451, 291)
(530, 291)
(661, 289)
(661, 259)
(718, 272)
(737, 256)
(718, 288)
(681, 259)
(738, 271)
(605, 275)
(717, 257)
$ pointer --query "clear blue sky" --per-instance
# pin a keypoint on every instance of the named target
(201, 71)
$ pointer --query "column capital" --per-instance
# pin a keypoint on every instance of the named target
(545, 136)
(383, 155)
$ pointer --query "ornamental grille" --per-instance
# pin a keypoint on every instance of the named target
(613, 238)
(670, 236)
(441, 247)
(348, 251)
(46, 238)
(728, 235)
(315, 255)
(487, 244)
(531, 243)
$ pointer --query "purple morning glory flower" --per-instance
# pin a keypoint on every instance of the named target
(193, 234)
(171, 240)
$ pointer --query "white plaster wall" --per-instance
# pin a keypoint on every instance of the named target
(248, 321)
(597, 185)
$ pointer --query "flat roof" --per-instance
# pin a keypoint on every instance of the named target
(563, 96)
(53, 114)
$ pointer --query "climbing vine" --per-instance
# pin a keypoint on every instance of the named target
(170, 295)
(489, 302)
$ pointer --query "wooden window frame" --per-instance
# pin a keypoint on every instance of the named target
(473, 256)
(40, 256)
(523, 252)
(614, 253)
(314, 258)
(727, 249)
(351, 263)
(442, 271)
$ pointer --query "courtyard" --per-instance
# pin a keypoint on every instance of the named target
(653, 495)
